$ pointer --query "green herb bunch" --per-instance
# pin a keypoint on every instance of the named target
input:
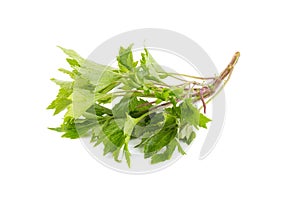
(161, 117)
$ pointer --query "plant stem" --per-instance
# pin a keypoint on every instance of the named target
(205, 91)
(190, 76)
(226, 73)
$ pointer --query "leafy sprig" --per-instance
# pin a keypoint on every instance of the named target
(160, 116)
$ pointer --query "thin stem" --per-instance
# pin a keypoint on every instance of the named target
(160, 106)
(178, 78)
(126, 91)
(161, 83)
(203, 102)
(190, 76)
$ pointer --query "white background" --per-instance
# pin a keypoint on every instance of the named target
(258, 154)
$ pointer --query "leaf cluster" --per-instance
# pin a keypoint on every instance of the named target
(114, 106)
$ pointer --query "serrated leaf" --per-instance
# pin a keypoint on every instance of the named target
(93, 72)
(62, 100)
(115, 139)
(149, 62)
(116, 154)
(72, 54)
(82, 100)
(68, 128)
(163, 94)
(151, 125)
(179, 148)
(109, 147)
(73, 63)
(129, 126)
(63, 84)
(71, 74)
(127, 155)
(166, 155)
(130, 104)
(163, 137)
(190, 137)
(70, 134)
(107, 81)
(97, 136)
(203, 120)
(187, 134)
(114, 133)
(125, 59)
(189, 113)
(99, 110)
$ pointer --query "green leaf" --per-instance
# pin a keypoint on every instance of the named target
(114, 133)
(151, 68)
(116, 138)
(77, 59)
(63, 84)
(129, 126)
(203, 120)
(69, 129)
(60, 103)
(116, 154)
(94, 73)
(166, 155)
(71, 134)
(99, 110)
(130, 104)
(148, 62)
(190, 137)
(130, 83)
(83, 90)
(97, 136)
(187, 134)
(73, 63)
(163, 137)
(71, 74)
(179, 148)
(82, 100)
(125, 59)
(107, 81)
(127, 155)
(138, 107)
(149, 126)
(166, 94)
(84, 126)
(189, 113)
(63, 97)
(122, 107)
(109, 147)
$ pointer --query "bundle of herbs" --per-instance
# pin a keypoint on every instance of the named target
(160, 116)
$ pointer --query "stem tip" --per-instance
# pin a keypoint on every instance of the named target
(235, 58)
